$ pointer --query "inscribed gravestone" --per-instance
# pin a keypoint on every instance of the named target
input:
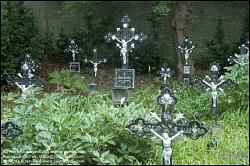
(124, 78)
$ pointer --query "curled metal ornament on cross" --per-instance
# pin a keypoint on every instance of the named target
(9, 130)
(192, 129)
(166, 98)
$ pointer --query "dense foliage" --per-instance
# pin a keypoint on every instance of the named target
(149, 55)
(73, 127)
(90, 130)
(87, 127)
(65, 80)
(19, 36)
(218, 47)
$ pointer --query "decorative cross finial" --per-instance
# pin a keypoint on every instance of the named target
(214, 69)
(73, 48)
(165, 73)
(124, 38)
(166, 99)
(125, 21)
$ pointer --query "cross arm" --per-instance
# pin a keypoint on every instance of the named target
(227, 84)
(200, 84)
(193, 129)
(140, 126)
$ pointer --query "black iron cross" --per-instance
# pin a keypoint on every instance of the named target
(95, 61)
(26, 79)
(213, 83)
(167, 128)
(9, 130)
(165, 73)
(125, 37)
(73, 48)
(186, 47)
(243, 58)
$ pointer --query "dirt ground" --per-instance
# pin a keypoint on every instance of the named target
(105, 74)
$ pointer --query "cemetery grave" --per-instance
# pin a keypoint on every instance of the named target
(96, 108)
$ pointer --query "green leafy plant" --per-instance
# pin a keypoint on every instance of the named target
(240, 76)
(19, 36)
(77, 130)
(65, 79)
(90, 130)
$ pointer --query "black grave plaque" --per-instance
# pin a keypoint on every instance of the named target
(75, 67)
(124, 78)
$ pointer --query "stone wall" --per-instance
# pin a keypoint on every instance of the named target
(203, 20)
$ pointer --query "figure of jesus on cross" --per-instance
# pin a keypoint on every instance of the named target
(124, 38)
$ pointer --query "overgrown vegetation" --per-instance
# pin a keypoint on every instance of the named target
(90, 130)
(73, 127)
(65, 80)
(19, 36)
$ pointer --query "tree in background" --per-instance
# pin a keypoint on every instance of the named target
(218, 48)
(151, 54)
(180, 23)
(19, 36)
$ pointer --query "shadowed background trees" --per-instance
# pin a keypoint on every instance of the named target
(217, 28)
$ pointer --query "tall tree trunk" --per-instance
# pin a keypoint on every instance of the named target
(46, 29)
(180, 25)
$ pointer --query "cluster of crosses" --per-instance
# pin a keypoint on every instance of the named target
(75, 66)
(165, 127)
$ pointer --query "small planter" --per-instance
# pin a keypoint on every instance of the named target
(92, 87)
(118, 94)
